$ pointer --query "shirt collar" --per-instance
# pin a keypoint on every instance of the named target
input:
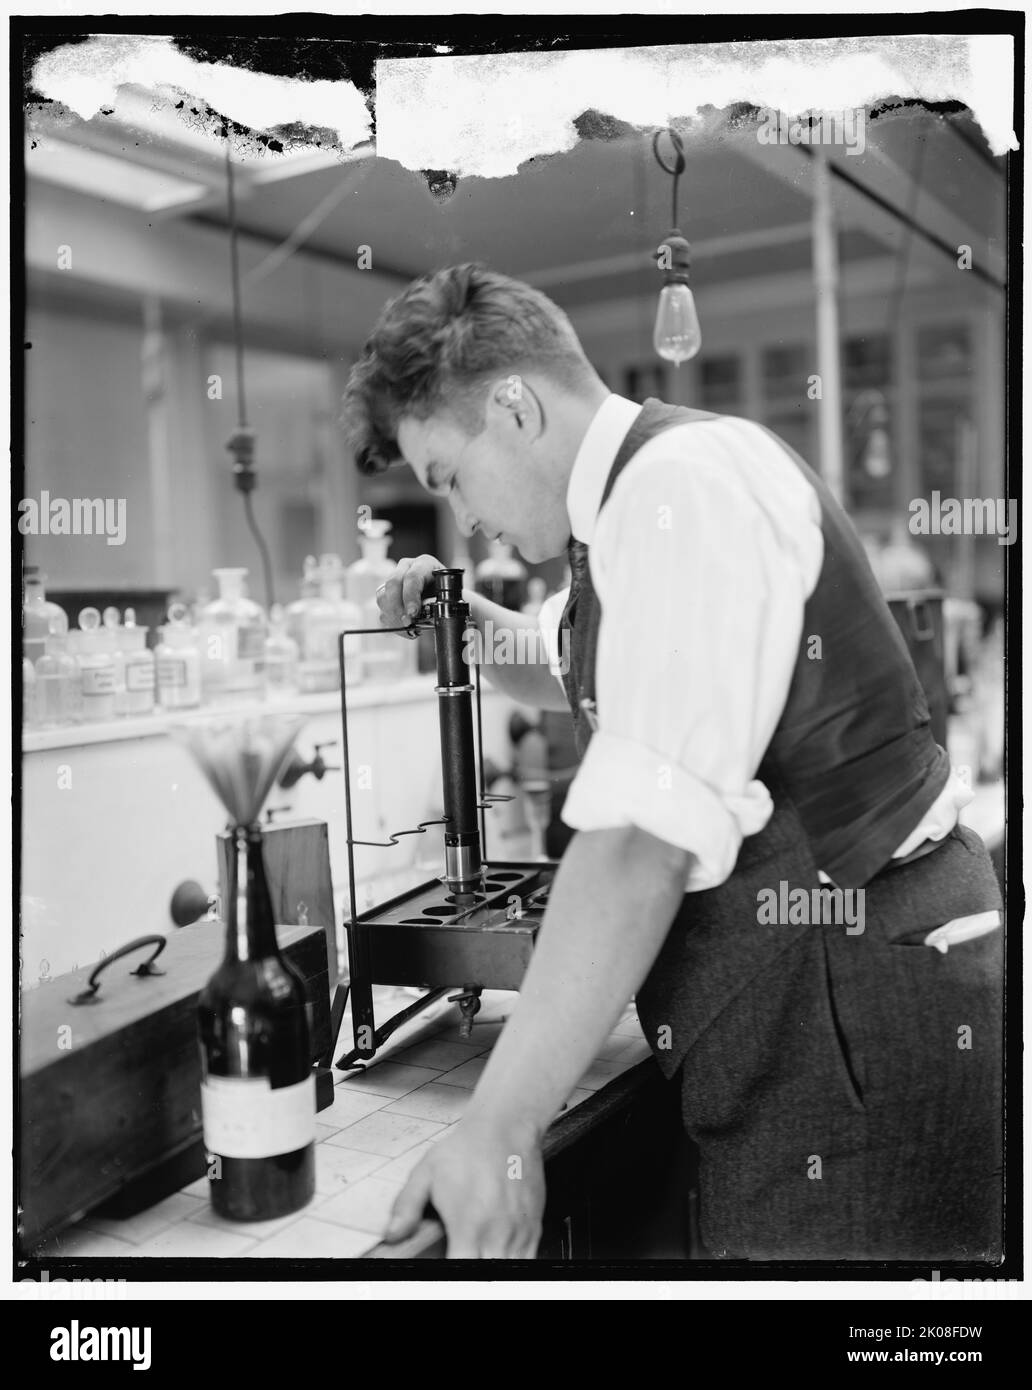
(594, 463)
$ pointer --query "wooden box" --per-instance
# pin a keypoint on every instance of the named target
(297, 866)
(110, 1104)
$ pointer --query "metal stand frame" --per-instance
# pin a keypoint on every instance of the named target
(367, 1036)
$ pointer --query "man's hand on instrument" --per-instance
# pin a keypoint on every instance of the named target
(487, 1184)
(399, 598)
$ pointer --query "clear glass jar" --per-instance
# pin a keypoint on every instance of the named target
(328, 616)
(233, 632)
(281, 657)
(58, 683)
(91, 648)
(138, 662)
(28, 693)
(38, 613)
(383, 658)
(111, 641)
(177, 661)
(297, 610)
(318, 669)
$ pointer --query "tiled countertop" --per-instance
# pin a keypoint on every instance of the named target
(381, 1123)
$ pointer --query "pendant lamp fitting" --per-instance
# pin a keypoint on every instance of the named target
(674, 258)
(241, 445)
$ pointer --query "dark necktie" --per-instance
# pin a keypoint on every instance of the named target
(578, 556)
(577, 553)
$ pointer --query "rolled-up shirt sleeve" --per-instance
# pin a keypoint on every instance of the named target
(702, 560)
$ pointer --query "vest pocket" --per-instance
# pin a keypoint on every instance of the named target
(845, 1052)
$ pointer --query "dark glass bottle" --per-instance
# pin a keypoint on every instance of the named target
(258, 1091)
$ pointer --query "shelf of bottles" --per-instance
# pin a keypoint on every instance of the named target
(221, 653)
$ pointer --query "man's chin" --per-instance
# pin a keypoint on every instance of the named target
(537, 552)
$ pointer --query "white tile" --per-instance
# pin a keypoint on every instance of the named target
(577, 1097)
(445, 1104)
(636, 1051)
(257, 1230)
(628, 1028)
(316, 1240)
(335, 1167)
(365, 1207)
(399, 1169)
(391, 1079)
(191, 1239)
(613, 1046)
(198, 1188)
(178, 1207)
(79, 1240)
(349, 1105)
(436, 1052)
(469, 1073)
(599, 1074)
(389, 1135)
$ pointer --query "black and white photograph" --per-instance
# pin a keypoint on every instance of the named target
(516, 736)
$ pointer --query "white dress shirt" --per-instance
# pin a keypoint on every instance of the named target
(703, 558)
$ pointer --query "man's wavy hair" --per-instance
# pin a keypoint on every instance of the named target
(439, 341)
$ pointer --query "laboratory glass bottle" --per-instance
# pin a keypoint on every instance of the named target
(96, 668)
(110, 639)
(28, 693)
(38, 613)
(178, 661)
(58, 682)
(382, 656)
(138, 662)
(297, 610)
(281, 657)
(331, 615)
(233, 631)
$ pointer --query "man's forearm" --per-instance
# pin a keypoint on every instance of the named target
(519, 668)
(611, 905)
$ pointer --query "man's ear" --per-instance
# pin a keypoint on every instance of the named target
(514, 403)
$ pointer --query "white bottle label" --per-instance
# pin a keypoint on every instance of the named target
(250, 643)
(98, 680)
(171, 670)
(244, 1117)
(139, 675)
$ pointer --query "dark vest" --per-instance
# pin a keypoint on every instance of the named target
(852, 765)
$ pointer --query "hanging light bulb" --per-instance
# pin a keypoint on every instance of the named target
(878, 450)
(877, 457)
(677, 336)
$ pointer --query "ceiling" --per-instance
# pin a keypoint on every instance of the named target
(581, 224)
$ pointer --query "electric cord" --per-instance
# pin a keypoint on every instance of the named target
(242, 442)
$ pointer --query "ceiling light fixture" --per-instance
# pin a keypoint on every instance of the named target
(677, 336)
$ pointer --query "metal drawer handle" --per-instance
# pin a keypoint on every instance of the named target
(89, 994)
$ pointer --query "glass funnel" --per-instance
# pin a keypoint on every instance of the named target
(240, 756)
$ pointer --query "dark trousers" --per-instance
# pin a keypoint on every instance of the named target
(847, 1101)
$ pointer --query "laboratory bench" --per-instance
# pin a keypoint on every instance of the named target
(611, 1159)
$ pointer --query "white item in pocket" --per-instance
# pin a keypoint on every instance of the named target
(962, 929)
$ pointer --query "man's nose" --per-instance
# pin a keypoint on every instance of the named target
(466, 524)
